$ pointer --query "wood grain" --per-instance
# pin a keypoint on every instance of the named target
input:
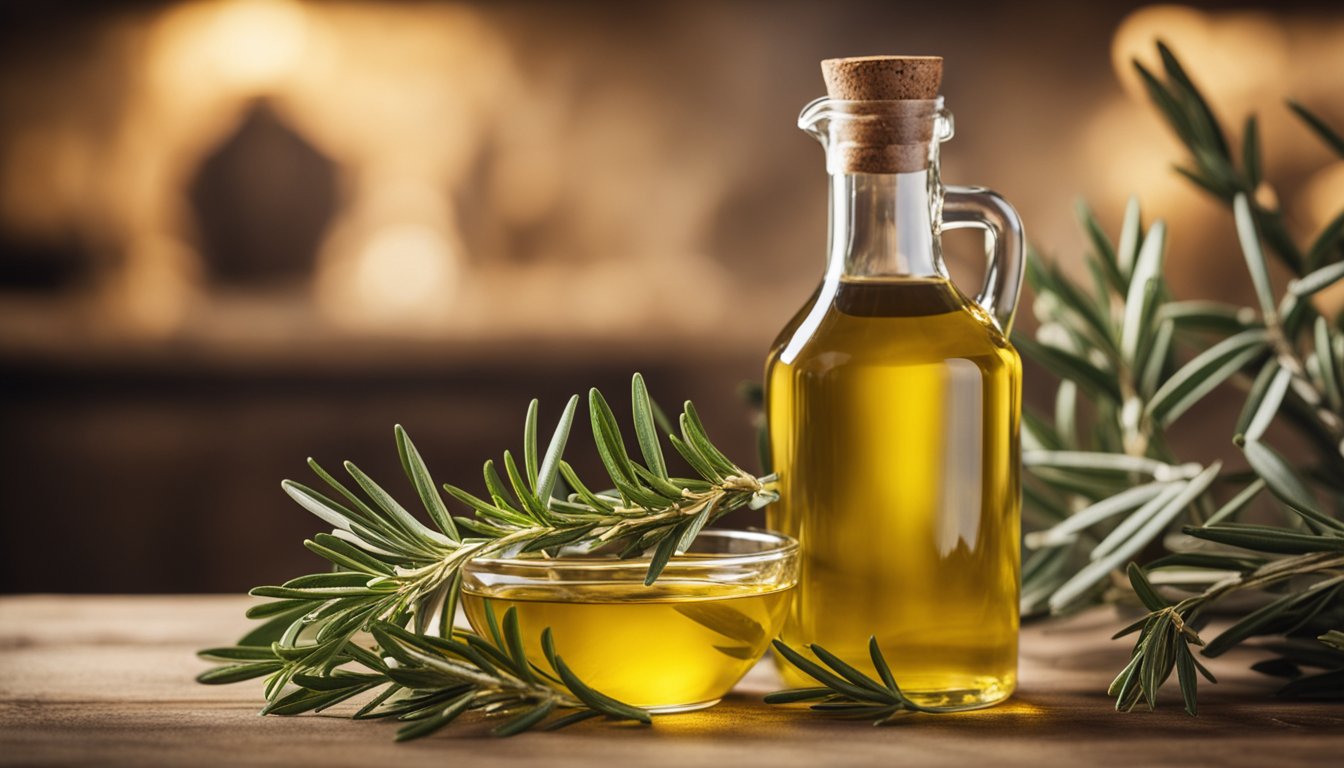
(108, 681)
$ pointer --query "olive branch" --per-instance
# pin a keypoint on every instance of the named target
(1104, 487)
(398, 579)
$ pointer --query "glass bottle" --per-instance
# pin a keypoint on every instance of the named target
(894, 403)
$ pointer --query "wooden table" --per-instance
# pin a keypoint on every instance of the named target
(108, 681)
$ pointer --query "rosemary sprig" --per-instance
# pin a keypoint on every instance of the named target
(391, 569)
(845, 691)
(1104, 488)
(427, 681)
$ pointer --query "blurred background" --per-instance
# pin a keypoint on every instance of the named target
(235, 234)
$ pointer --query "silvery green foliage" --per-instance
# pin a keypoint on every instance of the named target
(1103, 486)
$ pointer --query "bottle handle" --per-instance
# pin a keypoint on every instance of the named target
(981, 208)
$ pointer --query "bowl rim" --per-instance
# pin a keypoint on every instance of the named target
(786, 547)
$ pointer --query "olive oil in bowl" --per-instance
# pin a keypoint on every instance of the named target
(670, 647)
(677, 645)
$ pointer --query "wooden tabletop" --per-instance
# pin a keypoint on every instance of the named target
(108, 681)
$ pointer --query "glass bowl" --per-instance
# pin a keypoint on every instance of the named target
(675, 646)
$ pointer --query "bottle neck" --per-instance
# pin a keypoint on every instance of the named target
(884, 225)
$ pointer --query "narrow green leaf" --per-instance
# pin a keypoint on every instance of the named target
(1331, 237)
(1325, 276)
(1157, 358)
(1323, 687)
(359, 509)
(279, 623)
(1127, 249)
(548, 646)
(1285, 484)
(1256, 397)
(1125, 534)
(1167, 104)
(1069, 367)
(1237, 503)
(1266, 617)
(581, 490)
(645, 427)
(796, 695)
(411, 527)
(693, 431)
(526, 720)
(1198, 106)
(346, 555)
(818, 673)
(1334, 638)
(337, 579)
(1263, 539)
(599, 701)
(313, 593)
(1215, 316)
(330, 512)
(415, 468)
(1085, 518)
(1204, 373)
(1217, 190)
(482, 507)
(237, 653)
(1325, 353)
(696, 525)
(445, 716)
(669, 491)
(1206, 561)
(499, 493)
(1250, 156)
(552, 461)
(1101, 245)
(571, 719)
(513, 638)
(848, 671)
(236, 673)
(1144, 589)
(531, 504)
(1249, 236)
(530, 443)
(880, 664)
(607, 435)
(1115, 463)
(1157, 660)
(1037, 434)
(1143, 290)
(1123, 681)
(666, 548)
(1066, 407)
(1185, 675)
(698, 462)
(1133, 535)
(1327, 134)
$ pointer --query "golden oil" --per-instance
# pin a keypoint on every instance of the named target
(677, 645)
(893, 407)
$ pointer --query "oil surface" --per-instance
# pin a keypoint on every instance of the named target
(675, 645)
(893, 415)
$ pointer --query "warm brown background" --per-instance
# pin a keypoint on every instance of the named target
(235, 234)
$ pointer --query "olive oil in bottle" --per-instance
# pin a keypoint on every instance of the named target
(893, 404)
(893, 435)
(676, 645)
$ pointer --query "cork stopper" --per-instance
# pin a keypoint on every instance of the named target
(886, 124)
(883, 78)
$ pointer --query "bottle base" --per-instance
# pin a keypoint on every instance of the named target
(956, 693)
(964, 699)
(672, 709)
